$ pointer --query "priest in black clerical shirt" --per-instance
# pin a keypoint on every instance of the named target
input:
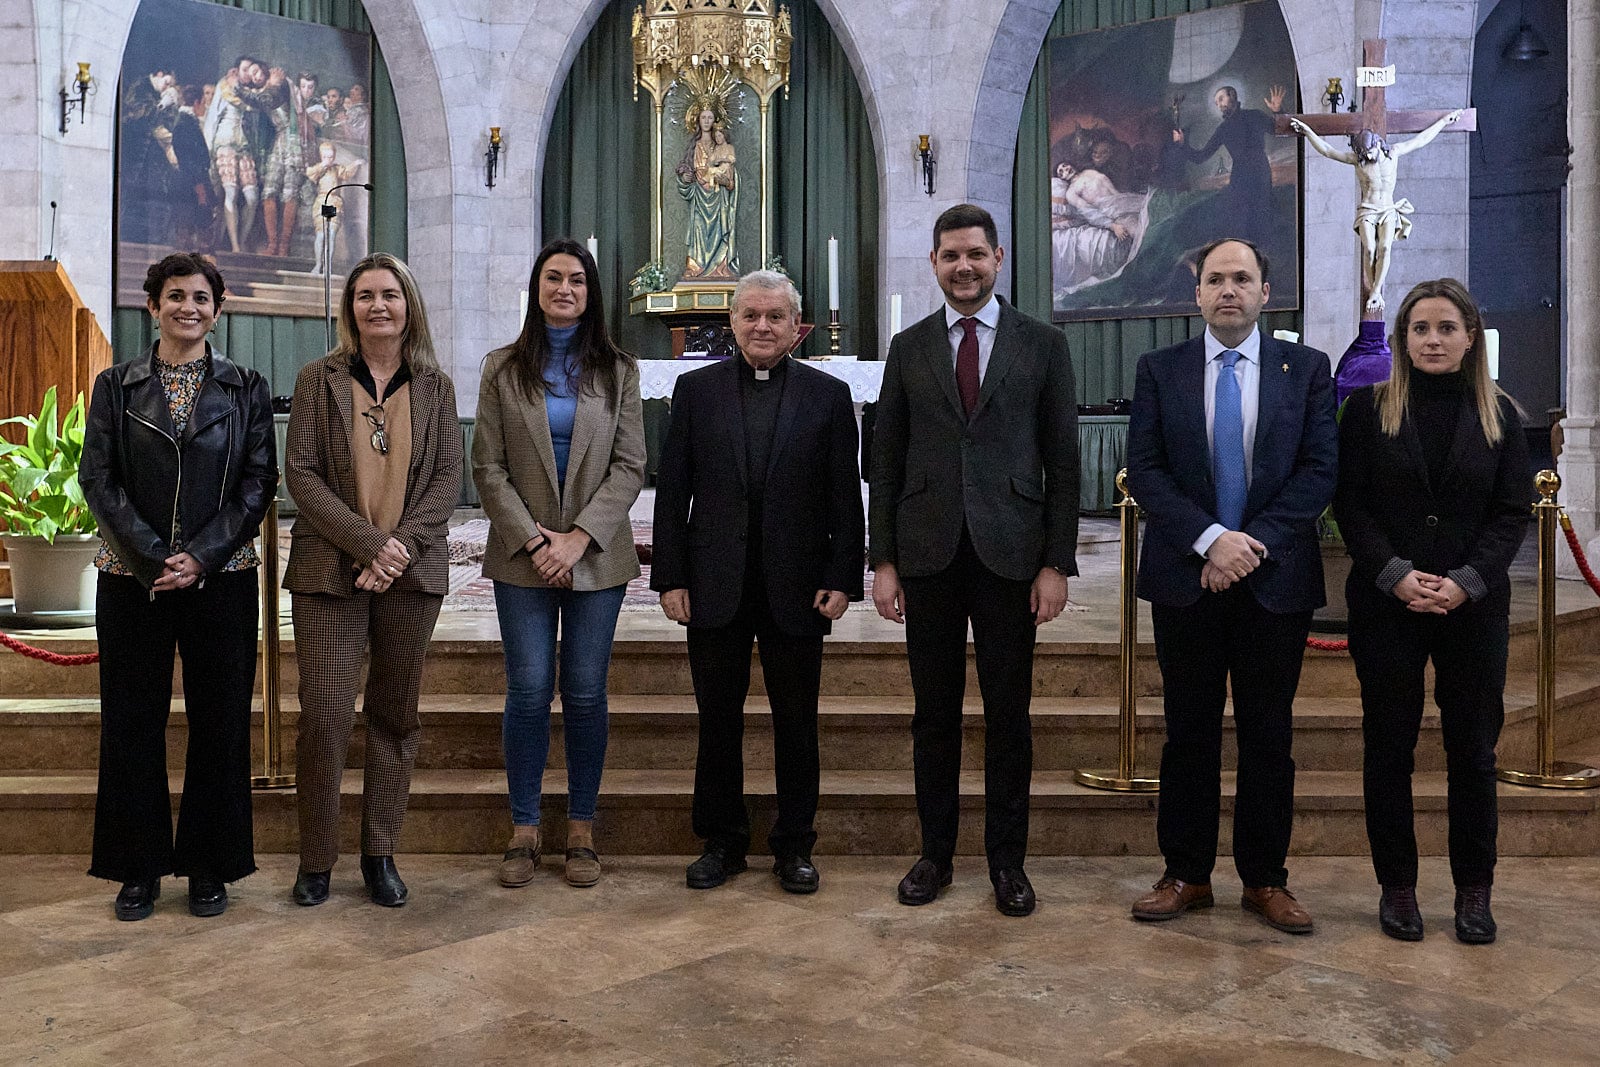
(758, 539)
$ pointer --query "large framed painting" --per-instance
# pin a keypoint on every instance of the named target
(235, 130)
(1161, 140)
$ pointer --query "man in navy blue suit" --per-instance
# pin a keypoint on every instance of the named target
(1232, 454)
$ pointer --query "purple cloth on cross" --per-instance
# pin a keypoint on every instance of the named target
(1365, 362)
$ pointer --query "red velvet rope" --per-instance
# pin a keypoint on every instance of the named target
(1327, 646)
(49, 657)
(1577, 554)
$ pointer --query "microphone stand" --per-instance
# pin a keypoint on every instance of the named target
(330, 212)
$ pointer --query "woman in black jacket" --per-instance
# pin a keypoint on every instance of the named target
(1433, 503)
(178, 468)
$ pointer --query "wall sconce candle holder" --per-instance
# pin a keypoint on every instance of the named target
(75, 96)
(491, 158)
(1333, 95)
(930, 165)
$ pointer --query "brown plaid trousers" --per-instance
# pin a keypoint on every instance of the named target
(335, 623)
(331, 634)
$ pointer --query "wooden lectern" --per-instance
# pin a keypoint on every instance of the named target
(48, 336)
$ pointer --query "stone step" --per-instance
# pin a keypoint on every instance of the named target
(861, 813)
(856, 668)
(463, 731)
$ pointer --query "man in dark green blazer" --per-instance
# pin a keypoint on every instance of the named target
(973, 518)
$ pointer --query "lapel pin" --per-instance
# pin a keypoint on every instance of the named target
(1286, 368)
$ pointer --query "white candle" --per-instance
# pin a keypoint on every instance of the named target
(833, 274)
(523, 314)
(1287, 335)
(894, 314)
(1491, 352)
(594, 248)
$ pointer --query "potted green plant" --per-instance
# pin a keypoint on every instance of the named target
(46, 525)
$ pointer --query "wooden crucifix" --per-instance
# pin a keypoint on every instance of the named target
(1380, 217)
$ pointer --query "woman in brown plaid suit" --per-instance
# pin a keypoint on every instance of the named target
(373, 460)
(559, 459)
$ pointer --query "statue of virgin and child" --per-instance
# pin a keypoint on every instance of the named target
(708, 184)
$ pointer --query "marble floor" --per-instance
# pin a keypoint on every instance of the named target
(642, 971)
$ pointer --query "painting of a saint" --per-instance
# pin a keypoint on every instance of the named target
(708, 182)
(1142, 178)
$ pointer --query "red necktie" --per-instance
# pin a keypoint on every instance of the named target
(967, 365)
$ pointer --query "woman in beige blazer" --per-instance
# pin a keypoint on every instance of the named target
(558, 455)
(373, 459)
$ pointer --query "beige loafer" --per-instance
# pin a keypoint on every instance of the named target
(519, 865)
(583, 867)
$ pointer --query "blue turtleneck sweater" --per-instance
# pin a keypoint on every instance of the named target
(561, 393)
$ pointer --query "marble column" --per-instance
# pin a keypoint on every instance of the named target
(1580, 455)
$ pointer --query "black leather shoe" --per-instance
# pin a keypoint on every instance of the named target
(714, 868)
(383, 881)
(797, 874)
(1013, 893)
(137, 900)
(1398, 913)
(922, 883)
(207, 896)
(1474, 924)
(310, 888)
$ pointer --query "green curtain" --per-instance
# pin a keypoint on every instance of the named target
(1104, 353)
(279, 345)
(825, 181)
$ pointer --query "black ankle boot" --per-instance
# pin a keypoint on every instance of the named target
(1474, 924)
(310, 888)
(138, 899)
(1398, 913)
(383, 881)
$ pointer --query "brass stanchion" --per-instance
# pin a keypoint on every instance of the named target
(1552, 773)
(1123, 779)
(271, 713)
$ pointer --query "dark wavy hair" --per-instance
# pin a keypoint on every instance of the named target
(181, 265)
(598, 357)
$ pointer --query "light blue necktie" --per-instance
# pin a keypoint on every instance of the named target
(1227, 449)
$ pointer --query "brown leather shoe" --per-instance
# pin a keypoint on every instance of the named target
(1170, 898)
(1278, 908)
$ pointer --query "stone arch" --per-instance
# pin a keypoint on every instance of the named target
(589, 13)
(401, 32)
(1322, 35)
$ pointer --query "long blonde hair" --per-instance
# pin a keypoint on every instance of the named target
(1392, 396)
(416, 344)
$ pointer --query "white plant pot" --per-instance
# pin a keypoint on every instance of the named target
(52, 577)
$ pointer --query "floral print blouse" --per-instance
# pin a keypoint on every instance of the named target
(182, 383)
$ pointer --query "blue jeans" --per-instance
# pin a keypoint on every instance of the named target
(528, 622)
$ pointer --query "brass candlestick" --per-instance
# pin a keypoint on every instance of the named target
(835, 328)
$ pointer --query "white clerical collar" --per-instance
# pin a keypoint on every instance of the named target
(1249, 348)
(989, 314)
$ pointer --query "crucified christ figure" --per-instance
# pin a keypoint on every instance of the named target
(1380, 218)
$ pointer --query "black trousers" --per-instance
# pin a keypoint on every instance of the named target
(938, 608)
(1390, 646)
(791, 667)
(214, 629)
(1225, 637)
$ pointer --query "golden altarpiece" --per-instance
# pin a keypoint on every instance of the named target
(711, 68)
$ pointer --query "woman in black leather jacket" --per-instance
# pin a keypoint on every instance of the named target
(178, 467)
